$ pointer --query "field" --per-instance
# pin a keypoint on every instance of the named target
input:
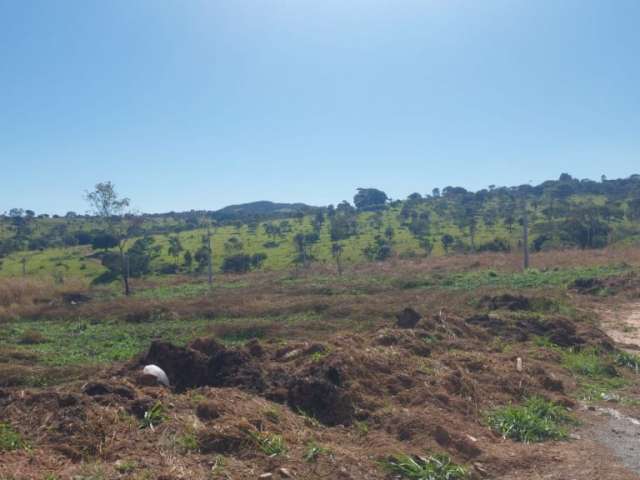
(306, 374)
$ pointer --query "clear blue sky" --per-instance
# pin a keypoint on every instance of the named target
(199, 104)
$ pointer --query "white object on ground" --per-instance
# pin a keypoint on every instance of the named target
(157, 372)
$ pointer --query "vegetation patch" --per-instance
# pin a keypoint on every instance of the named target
(269, 443)
(435, 467)
(536, 420)
(10, 439)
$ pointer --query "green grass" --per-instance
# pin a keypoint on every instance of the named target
(589, 363)
(435, 467)
(85, 342)
(536, 420)
(10, 439)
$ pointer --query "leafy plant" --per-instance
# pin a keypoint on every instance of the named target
(535, 421)
(153, 417)
(435, 467)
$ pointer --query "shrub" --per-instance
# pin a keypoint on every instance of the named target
(535, 421)
(435, 467)
(242, 263)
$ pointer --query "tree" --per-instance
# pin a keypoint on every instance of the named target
(175, 248)
(370, 199)
(379, 250)
(336, 252)
(447, 240)
(113, 211)
(188, 260)
(427, 245)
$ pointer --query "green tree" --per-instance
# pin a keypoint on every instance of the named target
(175, 248)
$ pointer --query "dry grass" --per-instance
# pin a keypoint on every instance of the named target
(24, 296)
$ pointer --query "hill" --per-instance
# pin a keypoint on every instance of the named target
(562, 213)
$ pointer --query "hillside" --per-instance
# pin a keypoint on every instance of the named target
(564, 213)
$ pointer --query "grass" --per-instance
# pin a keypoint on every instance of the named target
(536, 420)
(435, 467)
(270, 444)
(10, 439)
(589, 363)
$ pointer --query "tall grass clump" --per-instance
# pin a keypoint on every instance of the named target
(435, 467)
(536, 420)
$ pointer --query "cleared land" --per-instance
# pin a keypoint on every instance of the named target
(306, 374)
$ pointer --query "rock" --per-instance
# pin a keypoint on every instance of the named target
(285, 472)
(156, 372)
(408, 318)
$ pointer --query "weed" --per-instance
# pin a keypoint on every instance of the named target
(269, 443)
(188, 442)
(361, 427)
(435, 467)
(153, 417)
(272, 414)
(126, 466)
(628, 360)
(535, 421)
(10, 439)
(314, 451)
(318, 356)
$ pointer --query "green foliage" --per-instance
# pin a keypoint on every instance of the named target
(535, 421)
(435, 467)
(10, 439)
(153, 417)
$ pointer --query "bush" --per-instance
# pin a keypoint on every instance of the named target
(535, 421)
(435, 467)
(242, 263)
(495, 245)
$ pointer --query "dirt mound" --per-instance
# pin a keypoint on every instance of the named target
(185, 367)
(408, 318)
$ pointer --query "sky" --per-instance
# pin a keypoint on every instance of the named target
(192, 104)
